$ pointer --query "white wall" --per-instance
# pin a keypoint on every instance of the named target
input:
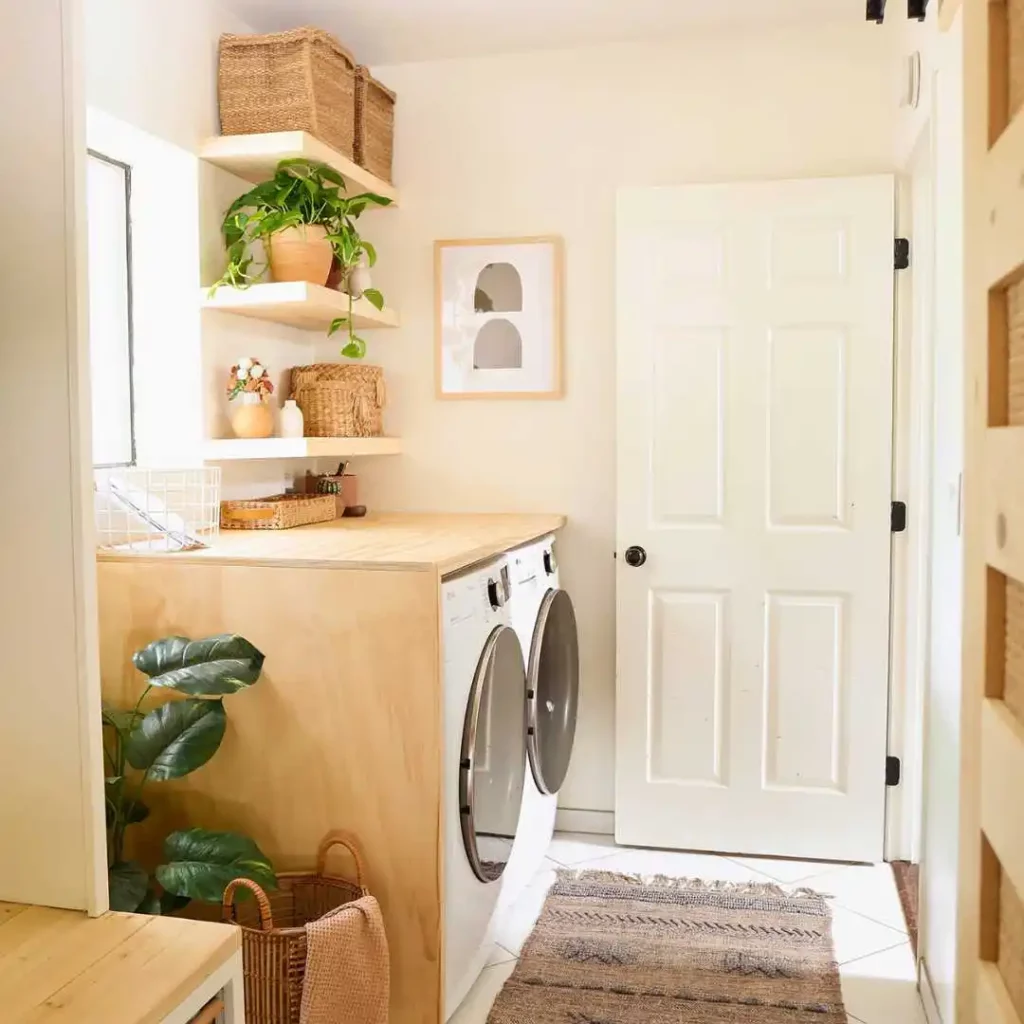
(152, 95)
(537, 144)
(942, 700)
(51, 802)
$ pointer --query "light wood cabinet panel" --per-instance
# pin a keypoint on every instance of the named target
(343, 730)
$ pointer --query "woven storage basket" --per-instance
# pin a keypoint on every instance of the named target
(340, 399)
(278, 512)
(375, 124)
(274, 933)
(303, 80)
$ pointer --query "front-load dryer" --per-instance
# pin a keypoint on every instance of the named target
(484, 765)
(545, 622)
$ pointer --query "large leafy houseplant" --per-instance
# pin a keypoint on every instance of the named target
(302, 192)
(171, 741)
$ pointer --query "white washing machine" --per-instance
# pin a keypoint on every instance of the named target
(484, 764)
(545, 622)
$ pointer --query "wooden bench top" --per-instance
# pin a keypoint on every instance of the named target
(63, 967)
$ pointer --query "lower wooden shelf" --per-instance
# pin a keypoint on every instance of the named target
(232, 449)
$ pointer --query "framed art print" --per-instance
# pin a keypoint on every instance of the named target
(499, 310)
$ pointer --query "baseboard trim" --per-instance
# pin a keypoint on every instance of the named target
(595, 823)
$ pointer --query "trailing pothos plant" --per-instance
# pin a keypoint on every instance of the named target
(301, 192)
(171, 741)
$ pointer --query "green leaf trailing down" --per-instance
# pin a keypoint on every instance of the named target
(374, 298)
(128, 882)
(355, 349)
(177, 738)
(200, 864)
(201, 668)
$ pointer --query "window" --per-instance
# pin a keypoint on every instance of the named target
(108, 199)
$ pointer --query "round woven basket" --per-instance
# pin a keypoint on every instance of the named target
(274, 933)
(340, 399)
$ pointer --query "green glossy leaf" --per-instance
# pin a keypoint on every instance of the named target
(177, 738)
(150, 904)
(336, 325)
(330, 174)
(170, 902)
(374, 297)
(118, 719)
(128, 882)
(371, 252)
(201, 668)
(200, 864)
(355, 349)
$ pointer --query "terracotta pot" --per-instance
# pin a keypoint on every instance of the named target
(251, 416)
(300, 254)
(335, 277)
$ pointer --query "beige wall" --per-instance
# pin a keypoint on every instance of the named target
(535, 144)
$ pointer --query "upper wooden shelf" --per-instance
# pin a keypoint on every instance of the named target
(255, 158)
(297, 304)
(231, 449)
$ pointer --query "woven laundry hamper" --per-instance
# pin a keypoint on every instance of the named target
(303, 80)
(375, 124)
(275, 942)
(340, 399)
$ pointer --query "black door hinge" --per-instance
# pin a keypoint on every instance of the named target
(893, 771)
(898, 517)
(901, 253)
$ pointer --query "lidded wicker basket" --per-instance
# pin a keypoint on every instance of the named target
(302, 80)
(375, 124)
(340, 399)
(274, 939)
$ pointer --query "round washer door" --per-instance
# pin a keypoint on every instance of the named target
(492, 767)
(552, 691)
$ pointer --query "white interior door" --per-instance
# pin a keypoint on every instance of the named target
(755, 376)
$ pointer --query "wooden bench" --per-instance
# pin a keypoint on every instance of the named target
(62, 967)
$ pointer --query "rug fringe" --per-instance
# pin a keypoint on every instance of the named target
(687, 884)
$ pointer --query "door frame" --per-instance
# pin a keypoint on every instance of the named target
(912, 455)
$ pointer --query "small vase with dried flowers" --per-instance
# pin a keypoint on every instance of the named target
(249, 387)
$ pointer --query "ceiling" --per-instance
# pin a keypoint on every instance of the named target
(397, 31)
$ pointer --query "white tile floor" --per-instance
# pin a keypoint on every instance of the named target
(876, 962)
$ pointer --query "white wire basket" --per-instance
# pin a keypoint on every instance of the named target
(157, 509)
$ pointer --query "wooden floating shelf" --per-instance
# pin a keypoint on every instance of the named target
(234, 449)
(255, 158)
(297, 304)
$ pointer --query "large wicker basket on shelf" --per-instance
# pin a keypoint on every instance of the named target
(375, 124)
(303, 80)
(274, 931)
(340, 399)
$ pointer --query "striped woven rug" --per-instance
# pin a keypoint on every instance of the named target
(615, 949)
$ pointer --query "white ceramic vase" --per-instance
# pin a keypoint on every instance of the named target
(293, 423)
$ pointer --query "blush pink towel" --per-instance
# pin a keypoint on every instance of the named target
(347, 967)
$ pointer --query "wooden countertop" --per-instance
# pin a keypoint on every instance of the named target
(61, 966)
(393, 540)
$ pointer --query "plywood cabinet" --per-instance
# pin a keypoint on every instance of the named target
(344, 728)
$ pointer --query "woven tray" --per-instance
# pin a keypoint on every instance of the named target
(278, 512)
(303, 80)
(375, 124)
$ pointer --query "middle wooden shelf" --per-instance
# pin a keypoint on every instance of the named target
(310, 307)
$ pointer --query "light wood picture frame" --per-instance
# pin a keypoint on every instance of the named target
(498, 318)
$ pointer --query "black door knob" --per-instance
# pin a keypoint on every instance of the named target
(635, 557)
